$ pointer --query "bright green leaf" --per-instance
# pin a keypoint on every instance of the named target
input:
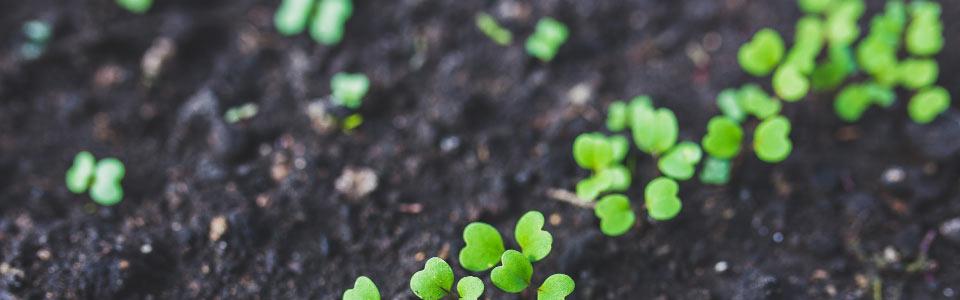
(616, 216)
(730, 106)
(654, 130)
(349, 89)
(756, 102)
(533, 240)
(771, 140)
(469, 288)
(661, 199)
(617, 118)
(681, 161)
(924, 36)
(927, 104)
(433, 282)
(715, 171)
(329, 19)
(514, 275)
(618, 176)
(918, 73)
(546, 39)
(292, 16)
(135, 6)
(106, 189)
(80, 175)
(590, 188)
(556, 287)
(814, 6)
(789, 83)
(593, 151)
(489, 26)
(761, 54)
(723, 137)
(363, 289)
(483, 247)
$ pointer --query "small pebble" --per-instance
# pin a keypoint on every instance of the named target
(356, 183)
(146, 249)
(951, 230)
(449, 144)
(893, 175)
(778, 237)
(949, 293)
(217, 227)
(720, 267)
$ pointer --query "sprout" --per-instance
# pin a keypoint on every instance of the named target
(351, 122)
(661, 199)
(878, 58)
(434, 281)
(483, 247)
(349, 89)
(723, 137)
(494, 31)
(680, 162)
(618, 177)
(469, 288)
(814, 6)
(808, 41)
(363, 289)
(772, 139)
(80, 174)
(556, 287)
(925, 33)
(917, 73)
(829, 75)
(590, 188)
(755, 101)
(762, 53)
(135, 6)
(547, 38)
(728, 104)
(240, 113)
(617, 117)
(616, 216)
(654, 130)
(854, 99)
(102, 179)
(841, 24)
(533, 240)
(329, 19)
(715, 171)
(927, 104)
(514, 274)
(292, 16)
(789, 83)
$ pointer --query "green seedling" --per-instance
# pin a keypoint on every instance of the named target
(729, 106)
(771, 140)
(591, 187)
(814, 6)
(661, 199)
(723, 138)
(855, 99)
(433, 282)
(753, 100)
(878, 58)
(593, 151)
(840, 64)
(617, 176)
(292, 16)
(715, 171)
(363, 289)
(681, 161)
(617, 117)
(761, 54)
(917, 73)
(135, 6)
(240, 113)
(556, 287)
(547, 38)
(927, 104)
(616, 216)
(38, 34)
(483, 247)
(349, 89)
(535, 243)
(514, 273)
(924, 35)
(654, 130)
(789, 83)
(351, 122)
(808, 42)
(489, 26)
(470, 288)
(329, 20)
(841, 22)
(101, 178)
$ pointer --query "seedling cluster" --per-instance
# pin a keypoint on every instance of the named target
(543, 44)
(102, 178)
(329, 17)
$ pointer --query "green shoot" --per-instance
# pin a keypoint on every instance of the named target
(925, 33)
(814, 6)
(514, 274)
(771, 140)
(616, 216)
(715, 171)
(618, 176)
(329, 21)
(831, 74)
(240, 113)
(488, 25)
(102, 179)
(654, 130)
(547, 38)
(927, 104)
(535, 243)
(469, 288)
(590, 188)
(918, 73)
(661, 199)
(135, 6)
(593, 151)
(789, 83)
(556, 287)
(80, 174)
(761, 54)
(723, 137)
(854, 99)
(617, 117)
(756, 102)
(681, 161)
(483, 247)
(841, 25)
(730, 106)
(349, 89)
(363, 289)
(433, 282)
(351, 122)
(292, 16)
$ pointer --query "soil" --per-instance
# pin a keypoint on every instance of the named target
(457, 129)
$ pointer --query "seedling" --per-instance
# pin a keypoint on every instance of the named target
(483, 247)
(616, 216)
(715, 171)
(433, 282)
(654, 130)
(349, 89)
(681, 161)
(771, 140)
(547, 38)
(603, 155)
(814, 6)
(329, 20)
(617, 117)
(924, 36)
(841, 23)
(38, 34)
(854, 99)
(593, 151)
(756, 102)
(135, 6)
(489, 26)
(917, 73)
(470, 288)
(556, 287)
(761, 54)
(789, 83)
(535, 243)
(514, 273)
(723, 138)
(927, 104)
(727, 101)
(363, 289)
(840, 64)
(292, 16)
(101, 178)
(240, 113)
(661, 198)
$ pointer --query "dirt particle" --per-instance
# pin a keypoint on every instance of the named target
(951, 230)
(123, 264)
(444, 251)
(356, 183)
(263, 201)
(411, 208)
(43, 254)
(580, 94)
(420, 256)
(160, 51)
(107, 76)
(217, 227)
(555, 219)
(820, 274)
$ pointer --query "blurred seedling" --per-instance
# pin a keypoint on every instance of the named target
(136, 6)
(348, 91)
(240, 113)
(771, 140)
(489, 26)
(102, 178)
(37, 35)
(661, 198)
(363, 289)
(546, 39)
(329, 17)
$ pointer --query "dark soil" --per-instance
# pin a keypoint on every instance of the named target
(458, 129)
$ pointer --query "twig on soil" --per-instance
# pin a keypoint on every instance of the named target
(568, 197)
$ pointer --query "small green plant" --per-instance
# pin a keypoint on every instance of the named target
(927, 104)
(433, 282)
(556, 287)
(661, 198)
(546, 39)
(603, 155)
(470, 288)
(349, 89)
(292, 16)
(654, 129)
(483, 247)
(535, 243)
(715, 171)
(615, 214)
(854, 99)
(753, 100)
(728, 102)
(135, 6)
(924, 36)
(240, 113)
(723, 137)
(789, 83)
(489, 26)
(101, 178)
(681, 161)
(327, 25)
(363, 289)
(514, 273)
(761, 54)
(771, 140)
(917, 73)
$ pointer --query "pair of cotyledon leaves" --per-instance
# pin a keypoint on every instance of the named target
(513, 275)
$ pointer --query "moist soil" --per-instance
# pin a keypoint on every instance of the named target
(456, 129)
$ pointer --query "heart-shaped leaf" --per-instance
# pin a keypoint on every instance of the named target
(619, 147)
(618, 177)
(723, 137)
(80, 174)
(470, 288)
(483, 247)
(918, 73)
(363, 289)
(755, 101)
(789, 83)
(513, 276)
(433, 282)
(715, 171)
(762, 53)
(680, 162)
(730, 106)
(592, 151)
(590, 188)
(617, 116)
(772, 141)
(349, 89)
(556, 287)
(927, 104)
(661, 199)
(615, 214)
(533, 240)
(106, 189)
(654, 130)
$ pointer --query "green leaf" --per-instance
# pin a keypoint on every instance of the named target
(329, 19)
(489, 26)
(80, 174)
(654, 130)
(434, 281)
(513, 276)
(878, 58)
(762, 53)
(349, 89)
(619, 146)
(814, 6)
(715, 171)
(470, 288)
(918, 73)
(618, 177)
(808, 40)
(617, 118)
(546, 39)
(661, 199)
(789, 83)
(927, 104)
(363, 289)
(842, 28)
(292, 16)
(924, 36)
(615, 214)
(723, 137)
(772, 140)
(556, 287)
(851, 102)
(590, 188)
(135, 6)
(106, 189)
(533, 240)
(483, 247)
(756, 102)
(593, 151)
(730, 106)
(680, 162)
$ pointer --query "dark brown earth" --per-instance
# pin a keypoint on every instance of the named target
(458, 129)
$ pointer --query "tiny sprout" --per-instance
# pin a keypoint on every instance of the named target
(292, 16)
(654, 130)
(917, 73)
(535, 243)
(729, 106)
(680, 162)
(514, 274)
(854, 99)
(590, 188)
(617, 117)
(924, 35)
(593, 151)
(328, 21)
(556, 287)
(240, 113)
(789, 83)
(433, 282)
(772, 139)
(878, 58)
(841, 24)
(547, 38)
(831, 74)
(102, 179)
(349, 89)
(80, 174)
(363, 289)
(756, 102)
(715, 171)
(483, 247)
(351, 122)
(809, 38)
(661, 198)
(38, 34)
(618, 176)
(814, 6)
(488, 25)
(723, 137)
(616, 216)
(469, 288)
(135, 6)
(927, 104)
(762, 53)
